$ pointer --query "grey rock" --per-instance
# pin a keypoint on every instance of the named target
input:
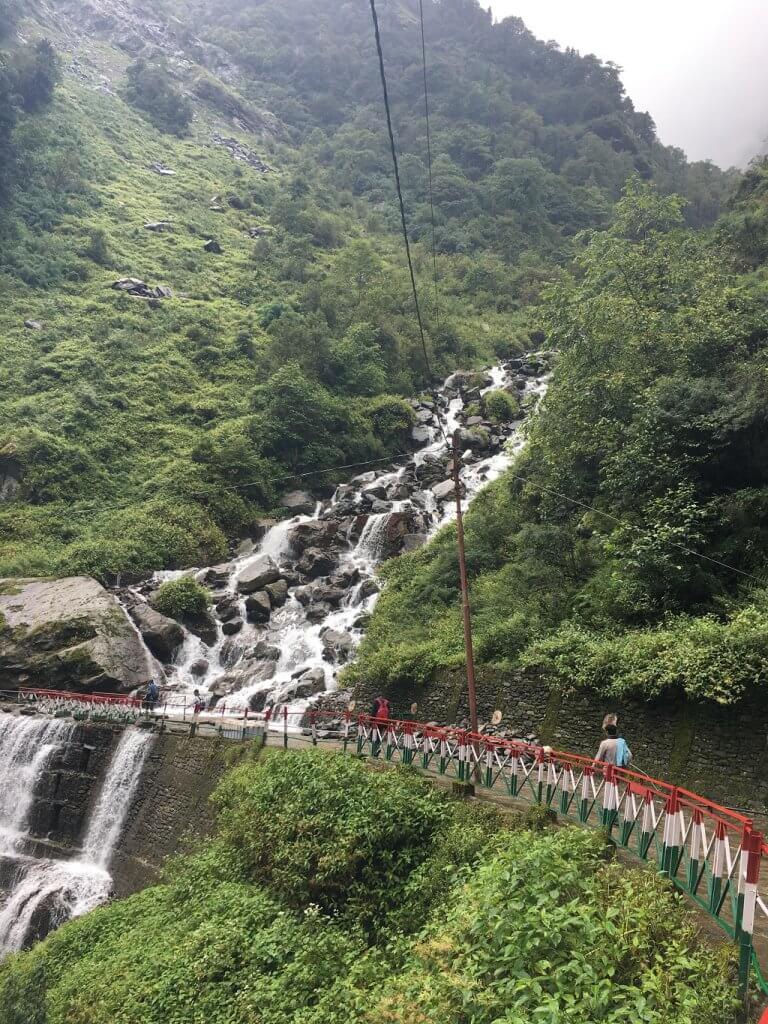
(202, 625)
(420, 435)
(159, 226)
(213, 246)
(367, 589)
(337, 646)
(199, 668)
(299, 502)
(264, 651)
(315, 563)
(445, 490)
(228, 608)
(278, 593)
(33, 325)
(160, 168)
(261, 572)
(232, 627)
(258, 607)
(69, 634)
(230, 653)
(163, 636)
(216, 575)
(320, 533)
(317, 613)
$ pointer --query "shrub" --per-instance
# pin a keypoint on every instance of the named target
(500, 406)
(151, 89)
(181, 597)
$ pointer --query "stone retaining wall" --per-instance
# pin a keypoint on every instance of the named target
(716, 751)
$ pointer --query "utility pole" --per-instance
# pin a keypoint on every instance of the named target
(466, 610)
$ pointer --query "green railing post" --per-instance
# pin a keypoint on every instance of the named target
(749, 875)
(673, 836)
(586, 793)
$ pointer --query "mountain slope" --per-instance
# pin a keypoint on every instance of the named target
(142, 431)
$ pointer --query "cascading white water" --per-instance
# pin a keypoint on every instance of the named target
(234, 671)
(66, 889)
(27, 746)
(108, 817)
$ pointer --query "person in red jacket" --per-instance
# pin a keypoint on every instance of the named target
(380, 709)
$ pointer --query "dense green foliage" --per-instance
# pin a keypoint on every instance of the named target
(626, 548)
(150, 88)
(181, 597)
(335, 893)
(148, 431)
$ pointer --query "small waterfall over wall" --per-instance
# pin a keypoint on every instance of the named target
(52, 891)
(27, 747)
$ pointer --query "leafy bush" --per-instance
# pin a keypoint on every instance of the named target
(472, 921)
(326, 831)
(500, 406)
(181, 597)
(151, 89)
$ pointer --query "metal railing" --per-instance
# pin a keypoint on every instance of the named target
(711, 853)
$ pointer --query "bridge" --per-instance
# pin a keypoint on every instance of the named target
(712, 854)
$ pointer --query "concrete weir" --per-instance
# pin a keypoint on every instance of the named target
(89, 811)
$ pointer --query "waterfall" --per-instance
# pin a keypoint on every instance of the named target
(371, 543)
(115, 798)
(59, 890)
(27, 746)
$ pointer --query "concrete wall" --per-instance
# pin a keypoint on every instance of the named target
(171, 807)
(721, 752)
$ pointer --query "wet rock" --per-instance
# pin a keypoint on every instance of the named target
(345, 578)
(376, 490)
(261, 572)
(216, 576)
(278, 593)
(477, 438)
(299, 503)
(378, 507)
(258, 607)
(199, 668)
(232, 627)
(337, 646)
(445, 490)
(399, 492)
(230, 653)
(316, 593)
(202, 625)
(307, 685)
(69, 634)
(227, 684)
(420, 435)
(367, 589)
(261, 528)
(163, 636)
(264, 651)
(320, 533)
(228, 608)
(317, 613)
(315, 563)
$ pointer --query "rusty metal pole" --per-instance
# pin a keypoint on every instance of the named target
(465, 606)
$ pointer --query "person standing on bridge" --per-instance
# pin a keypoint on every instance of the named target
(152, 696)
(200, 702)
(614, 749)
(380, 709)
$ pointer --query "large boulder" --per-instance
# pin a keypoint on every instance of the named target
(163, 636)
(316, 563)
(260, 573)
(69, 634)
(258, 607)
(337, 646)
(319, 533)
(299, 503)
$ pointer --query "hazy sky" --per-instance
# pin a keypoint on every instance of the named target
(700, 67)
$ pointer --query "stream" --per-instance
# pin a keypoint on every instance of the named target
(290, 610)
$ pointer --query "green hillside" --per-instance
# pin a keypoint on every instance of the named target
(626, 550)
(141, 432)
(333, 892)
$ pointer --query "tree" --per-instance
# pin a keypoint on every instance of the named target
(151, 89)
